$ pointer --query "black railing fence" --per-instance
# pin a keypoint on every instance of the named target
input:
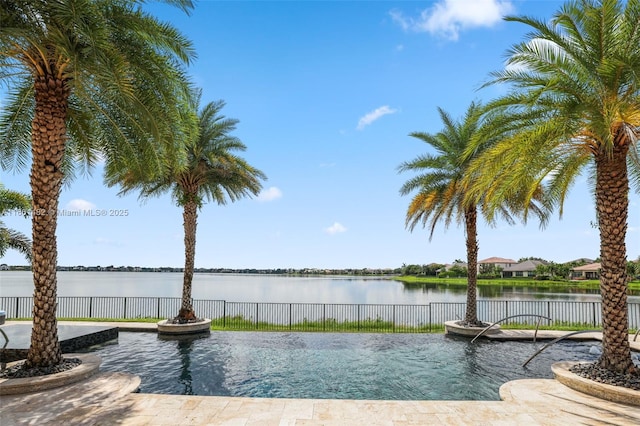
(322, 316)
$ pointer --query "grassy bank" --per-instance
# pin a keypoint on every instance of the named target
(238, 323)
(510, 282)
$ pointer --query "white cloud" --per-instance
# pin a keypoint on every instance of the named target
(400, 19)
(336, 228)
(270, 194)
(374, 115)
(79, 204)
(448, 17)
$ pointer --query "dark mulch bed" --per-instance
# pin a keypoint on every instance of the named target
(601, 375)
(478, 324)
(18, 372)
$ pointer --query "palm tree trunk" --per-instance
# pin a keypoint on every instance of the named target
(470, 219)
(612, 201)
(190, 216)
(48, 136)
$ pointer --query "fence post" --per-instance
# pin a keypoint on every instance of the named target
(256, 315)
(393, 320)
(593, 309)
(506, 308)
(358, 316)
(158, 308)
(125, 308)
(548, 309)
(324, 317)
(289, 316)
(224, 313)
(91, 307)
(17, 307)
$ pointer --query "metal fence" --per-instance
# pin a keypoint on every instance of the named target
(322, 316)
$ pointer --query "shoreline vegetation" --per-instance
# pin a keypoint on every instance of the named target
(560, 285)
(381, 272)
(395, 275)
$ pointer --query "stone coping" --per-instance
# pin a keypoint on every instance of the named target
(90, 366)
(203, 326)
(452, 327)
(604, 391)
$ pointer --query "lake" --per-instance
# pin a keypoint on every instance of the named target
(272, 288)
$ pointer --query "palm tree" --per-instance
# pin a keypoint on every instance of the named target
(87, 81)
(574, 105)
(442, 190)
(210, 171)
(11, 201)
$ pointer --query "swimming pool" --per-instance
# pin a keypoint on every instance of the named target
(332, 365)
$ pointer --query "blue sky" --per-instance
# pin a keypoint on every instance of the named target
(326, 93)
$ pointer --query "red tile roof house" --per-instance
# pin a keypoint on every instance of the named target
(495, 261)
(522, 269)
(586, 272)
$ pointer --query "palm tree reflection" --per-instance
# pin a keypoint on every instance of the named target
(185, 347)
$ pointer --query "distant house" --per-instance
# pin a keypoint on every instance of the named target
(4, 267)
(522, 269)
(586, 272)
(499, 262)
(448, 266)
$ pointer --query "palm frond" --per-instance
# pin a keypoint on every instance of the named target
(11, 239)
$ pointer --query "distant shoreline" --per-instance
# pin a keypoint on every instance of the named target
(390, 273)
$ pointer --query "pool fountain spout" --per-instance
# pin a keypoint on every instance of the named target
(535, 334)
(556, 341)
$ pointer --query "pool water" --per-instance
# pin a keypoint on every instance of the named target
(333, 365)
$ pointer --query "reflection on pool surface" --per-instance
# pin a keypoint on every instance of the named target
(341, 366)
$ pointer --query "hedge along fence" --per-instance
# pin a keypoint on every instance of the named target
(322, 316)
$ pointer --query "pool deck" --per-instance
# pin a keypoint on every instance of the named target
(107, 399)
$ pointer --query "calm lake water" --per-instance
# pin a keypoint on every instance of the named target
(270, 288)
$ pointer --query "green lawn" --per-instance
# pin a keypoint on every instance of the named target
(238, 323)
(511, 282)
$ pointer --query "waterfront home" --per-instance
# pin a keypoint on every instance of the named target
(494, 262)
(590, 271)
(522, 269)
(449, 266)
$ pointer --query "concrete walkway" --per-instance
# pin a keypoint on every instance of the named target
(107, 399)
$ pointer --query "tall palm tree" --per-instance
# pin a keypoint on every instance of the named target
(442, 187)
(210, 171)
(87, 80)
(574, 106)
(11, 201)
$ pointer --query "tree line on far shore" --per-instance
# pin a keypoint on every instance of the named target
(546, 270)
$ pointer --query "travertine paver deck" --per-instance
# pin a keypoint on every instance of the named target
(103, 400)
